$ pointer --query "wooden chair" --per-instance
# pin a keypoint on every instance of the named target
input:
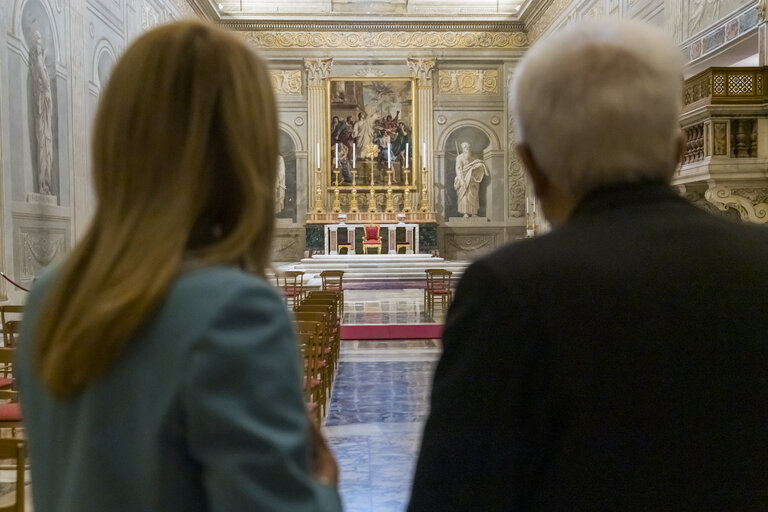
(10, 411)
(311, 328)
(309, 334)
(10, 320)
(329, 295)
(331, 324)
(438, 286)
(16, 449)
(291, 283)
(371, 238)
(6, 367)
(333, 282)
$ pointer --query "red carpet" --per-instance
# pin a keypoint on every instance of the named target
(391, 332)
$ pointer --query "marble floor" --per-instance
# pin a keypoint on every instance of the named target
(380, 400)
(375, 421)
(390, 306)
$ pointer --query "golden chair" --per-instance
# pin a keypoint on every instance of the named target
(371, 238)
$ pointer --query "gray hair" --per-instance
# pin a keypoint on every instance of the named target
(599, 104)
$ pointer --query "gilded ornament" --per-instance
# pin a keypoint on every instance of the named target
(466, 81)
(372, 40)
(287, 82)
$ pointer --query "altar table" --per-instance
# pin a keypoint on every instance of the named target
(331, 239)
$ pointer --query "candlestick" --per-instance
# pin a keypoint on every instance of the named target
(354, 155)
(424, 191)
(389, 156)
(390, 201)
(372, 200)
(318, 193)
(407, 194)
(353, 207)
(337, 156)
(336, 199)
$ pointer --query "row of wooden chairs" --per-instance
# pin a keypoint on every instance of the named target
(12, 448)
(317, 323)
(10, 322)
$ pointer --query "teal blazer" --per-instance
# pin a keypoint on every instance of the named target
(202, 411)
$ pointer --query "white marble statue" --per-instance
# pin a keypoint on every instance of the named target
(280, 185)
(43, 111)
(470, 171)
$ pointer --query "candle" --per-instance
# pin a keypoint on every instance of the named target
(406, 156)
(354, 155)
(389, 156)
(337, 155)
(318, 155)
(424, 155)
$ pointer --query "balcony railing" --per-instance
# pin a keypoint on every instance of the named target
(726, 86)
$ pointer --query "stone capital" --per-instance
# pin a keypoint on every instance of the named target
(421, 68)
(318, 69)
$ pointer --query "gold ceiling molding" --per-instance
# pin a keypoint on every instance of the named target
(370, 40)
(352, 25)
(468, 81)
(286, 81)
(547, 17)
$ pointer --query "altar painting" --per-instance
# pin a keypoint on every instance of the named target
(371, 123)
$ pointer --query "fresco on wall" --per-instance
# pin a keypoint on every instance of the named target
(42, 102)
(285, 187)
(467, 175)
(685, 18)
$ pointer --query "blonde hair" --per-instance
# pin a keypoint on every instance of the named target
(184, 158)
(599, 104)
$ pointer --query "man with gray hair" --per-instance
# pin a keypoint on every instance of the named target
(619, 362)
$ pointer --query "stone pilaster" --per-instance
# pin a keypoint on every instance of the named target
(82, 195)
(318, 71)
(422, 68)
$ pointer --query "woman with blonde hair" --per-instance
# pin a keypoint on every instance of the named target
(158, 370)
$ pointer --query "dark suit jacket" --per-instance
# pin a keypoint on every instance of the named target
(618, 363)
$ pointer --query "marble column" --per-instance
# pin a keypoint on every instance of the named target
(422, 68)
(317, 126)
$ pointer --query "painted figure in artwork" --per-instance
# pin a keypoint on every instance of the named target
(470, 171)
(280, 185)
(43, 111)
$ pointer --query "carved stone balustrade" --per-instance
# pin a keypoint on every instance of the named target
(725, 158)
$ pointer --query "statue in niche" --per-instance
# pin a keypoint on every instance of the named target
(470, 171)
(43, 111)
(280, 185)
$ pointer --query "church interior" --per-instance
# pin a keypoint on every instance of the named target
(397, 166)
